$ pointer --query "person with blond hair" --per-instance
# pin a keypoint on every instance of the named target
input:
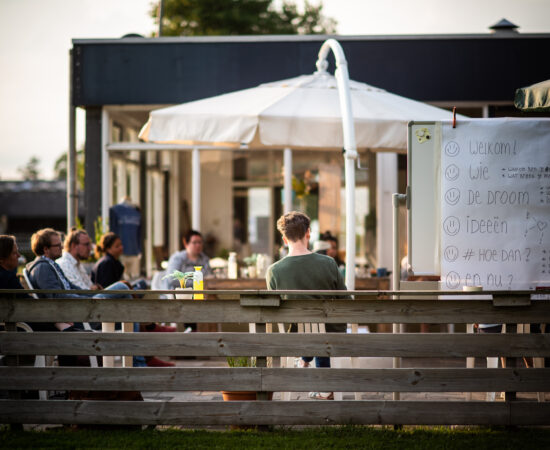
(77, 248)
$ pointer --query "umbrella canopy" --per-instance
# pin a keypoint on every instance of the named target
(301, 112)
(534, 98)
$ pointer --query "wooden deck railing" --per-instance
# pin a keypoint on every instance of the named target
(263, 307)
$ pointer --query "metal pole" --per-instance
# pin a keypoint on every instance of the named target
(196, 190)
(287, 206)
(105, 168)
(72, 194)
(350, 148)
(396, 272)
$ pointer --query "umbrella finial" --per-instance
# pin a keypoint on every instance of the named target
(322, 65)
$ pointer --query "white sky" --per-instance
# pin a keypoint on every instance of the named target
(35, 38)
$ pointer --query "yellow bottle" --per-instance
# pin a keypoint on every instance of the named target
(198, 283)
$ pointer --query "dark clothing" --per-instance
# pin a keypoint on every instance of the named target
(125, 220)
(9, 280)
(43, 275)
(107, 271)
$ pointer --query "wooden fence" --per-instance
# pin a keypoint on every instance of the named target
(261, 308)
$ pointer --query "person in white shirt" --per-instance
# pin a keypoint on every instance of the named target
(77, 248)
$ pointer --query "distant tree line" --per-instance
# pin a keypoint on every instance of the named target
(240, 17)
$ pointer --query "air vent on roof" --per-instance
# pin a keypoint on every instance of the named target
(504, 26)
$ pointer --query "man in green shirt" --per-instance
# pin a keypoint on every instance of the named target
(303, 270)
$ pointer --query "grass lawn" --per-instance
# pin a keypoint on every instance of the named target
(349, 437)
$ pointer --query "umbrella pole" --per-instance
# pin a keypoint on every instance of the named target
(287, 204)
(196, 190)
(350, 149)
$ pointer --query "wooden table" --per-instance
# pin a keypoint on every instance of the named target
(361, 284)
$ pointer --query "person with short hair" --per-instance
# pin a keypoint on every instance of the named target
(45, 273)
(186, 260)
(301, 269)
(77, 248)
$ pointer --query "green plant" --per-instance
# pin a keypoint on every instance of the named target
(223, 253)
(99, 228)
(251, 260)
(241, 361)
(182, 277)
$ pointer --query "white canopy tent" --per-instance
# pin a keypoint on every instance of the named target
(317, 111)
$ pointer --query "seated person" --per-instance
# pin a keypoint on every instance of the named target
(9, 260)
(9, 256)
(186, 260)
(108, 269)
(45, 273)
(332, 251)
(76, 248)
(303, 270)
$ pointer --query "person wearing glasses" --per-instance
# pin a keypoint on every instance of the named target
(186, 260)
(77, 247)
(45, 273)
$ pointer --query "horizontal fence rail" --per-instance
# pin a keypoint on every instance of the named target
(275, 413)
(263, 307)
(244, 344)
(275, 379)
(231, 311)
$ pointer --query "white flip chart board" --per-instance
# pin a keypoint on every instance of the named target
(480, 202)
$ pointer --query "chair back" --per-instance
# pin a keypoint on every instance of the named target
(28, 282)
(87, 327)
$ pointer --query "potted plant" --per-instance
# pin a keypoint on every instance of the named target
(242, 361)
(182, 277)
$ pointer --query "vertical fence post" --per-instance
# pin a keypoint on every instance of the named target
(261, 361)
(511, 328)
(13, 360)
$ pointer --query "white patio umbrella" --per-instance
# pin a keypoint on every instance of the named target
(299, 113)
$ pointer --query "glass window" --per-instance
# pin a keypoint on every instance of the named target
(252, 220)
(258, 166)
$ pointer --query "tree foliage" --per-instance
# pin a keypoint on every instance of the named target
(30, 171)
(60, 168)
(240, 17)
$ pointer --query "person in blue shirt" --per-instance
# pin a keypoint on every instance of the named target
(125, 221)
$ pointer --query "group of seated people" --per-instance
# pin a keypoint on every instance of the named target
(59, 266)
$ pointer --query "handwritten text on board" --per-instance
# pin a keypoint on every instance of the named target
(495, 204)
